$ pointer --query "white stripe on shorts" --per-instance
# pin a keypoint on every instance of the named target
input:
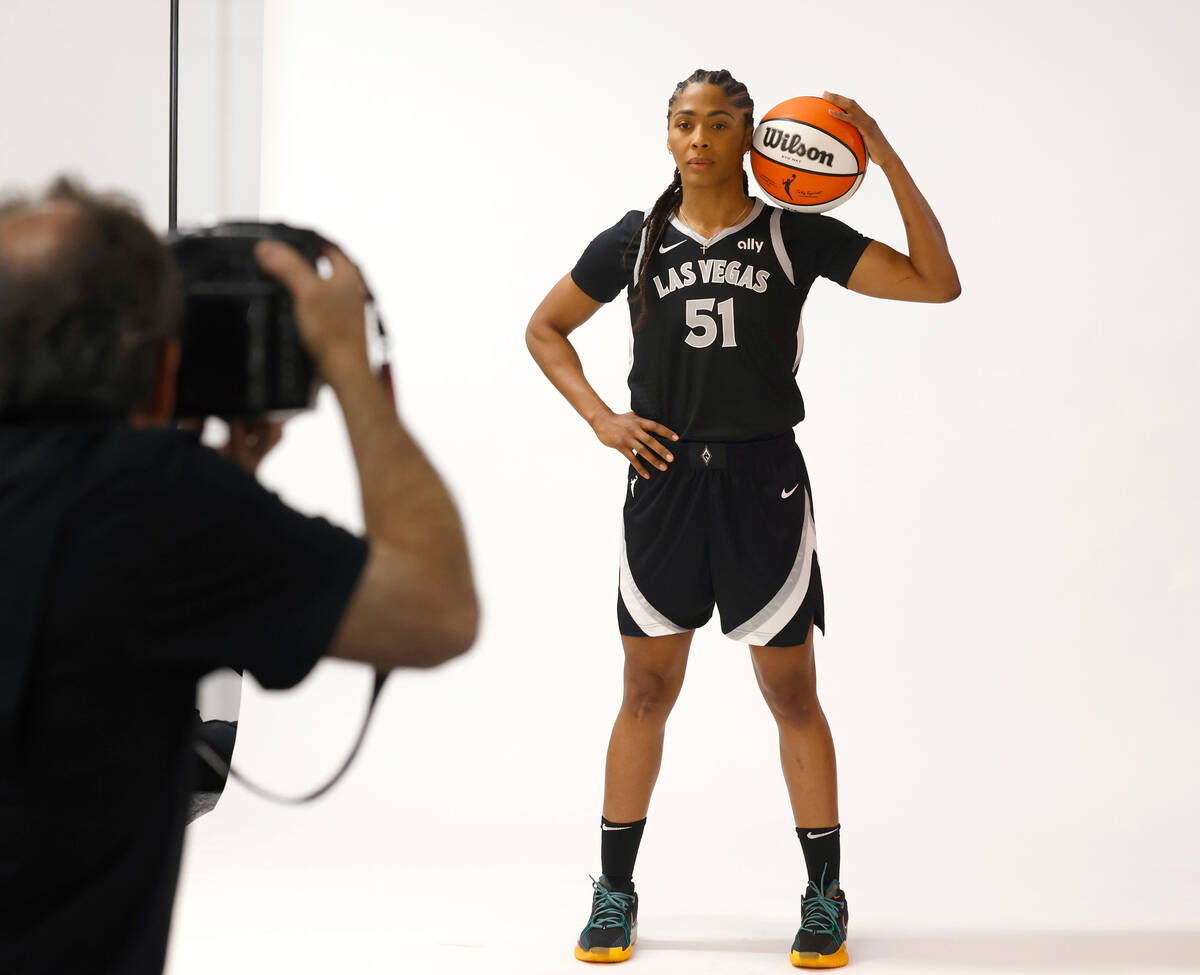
(763, 626)
(648, 619)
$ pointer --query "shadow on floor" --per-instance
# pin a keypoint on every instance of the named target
(1093, 952)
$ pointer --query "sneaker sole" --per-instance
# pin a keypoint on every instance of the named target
(810, 959)
(603, 955)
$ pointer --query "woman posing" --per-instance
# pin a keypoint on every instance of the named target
(718, 508)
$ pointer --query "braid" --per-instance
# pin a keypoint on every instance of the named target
(654, 224)
(672, 196)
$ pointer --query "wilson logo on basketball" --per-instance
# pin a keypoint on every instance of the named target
(805, 159)
(793, 145)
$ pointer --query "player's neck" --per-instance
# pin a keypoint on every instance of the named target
(709, 210)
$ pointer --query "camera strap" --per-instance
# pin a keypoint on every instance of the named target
(205, 751)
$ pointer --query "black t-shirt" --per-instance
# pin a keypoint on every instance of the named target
(717, 340)
(165, 562)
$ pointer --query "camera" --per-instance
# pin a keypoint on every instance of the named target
(240, 352)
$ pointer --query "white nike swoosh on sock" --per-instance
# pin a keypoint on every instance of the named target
(605, 826)
(817, 836)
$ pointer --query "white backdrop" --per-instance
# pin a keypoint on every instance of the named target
(1004, 487)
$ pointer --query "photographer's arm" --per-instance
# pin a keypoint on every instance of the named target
(415, 603)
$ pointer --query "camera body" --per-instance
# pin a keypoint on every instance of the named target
(240, 352)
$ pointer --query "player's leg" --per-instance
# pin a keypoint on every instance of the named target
(769, 589)
(787, 678)
(654, 670)
(768, 585)
(664, 593)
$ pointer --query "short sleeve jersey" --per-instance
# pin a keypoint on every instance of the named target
(171, 562)
(718, 336)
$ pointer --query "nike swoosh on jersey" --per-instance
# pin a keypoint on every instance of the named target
(788, 494)
(663, 250)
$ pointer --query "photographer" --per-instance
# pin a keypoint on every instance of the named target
(134, 560)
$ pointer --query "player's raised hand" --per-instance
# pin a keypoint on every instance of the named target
(630, 436)
(848, 110)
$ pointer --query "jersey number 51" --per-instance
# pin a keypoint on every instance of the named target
(703, 327)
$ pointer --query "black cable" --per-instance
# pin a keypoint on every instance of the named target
(205, 751)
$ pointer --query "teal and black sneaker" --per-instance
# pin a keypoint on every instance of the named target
(612, 928)
(821, 940)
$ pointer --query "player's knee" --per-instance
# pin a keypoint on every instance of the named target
(649, 695)
(793, 701)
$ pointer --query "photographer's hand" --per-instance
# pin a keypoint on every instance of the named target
(251, 440)
(329, 311)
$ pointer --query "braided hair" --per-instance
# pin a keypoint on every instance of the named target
(672, 196)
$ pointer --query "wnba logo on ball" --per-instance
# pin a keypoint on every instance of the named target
(793, 145)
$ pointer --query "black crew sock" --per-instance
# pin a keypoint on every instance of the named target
(619, 844)
(822, 847)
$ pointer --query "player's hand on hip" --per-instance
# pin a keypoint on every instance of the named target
(848, 110)
(630, 436)
(330, 312)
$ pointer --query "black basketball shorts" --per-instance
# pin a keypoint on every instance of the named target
(729, 524)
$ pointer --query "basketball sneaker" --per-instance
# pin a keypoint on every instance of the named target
(612, 928)
(821, 940)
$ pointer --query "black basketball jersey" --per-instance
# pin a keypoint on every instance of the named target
(717, 339)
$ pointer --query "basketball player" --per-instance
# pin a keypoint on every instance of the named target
(718, 508)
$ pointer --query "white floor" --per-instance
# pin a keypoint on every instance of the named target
(423, 894)
(981, 833)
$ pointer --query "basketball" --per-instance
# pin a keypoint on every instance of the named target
(805, 159)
